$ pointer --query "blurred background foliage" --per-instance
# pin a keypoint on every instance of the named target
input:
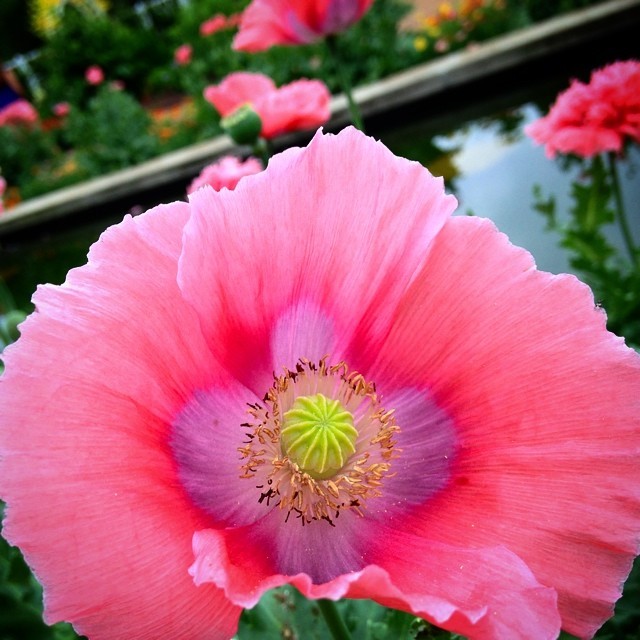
(135, 49)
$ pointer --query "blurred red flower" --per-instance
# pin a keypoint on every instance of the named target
(588, 119)
(288, 22)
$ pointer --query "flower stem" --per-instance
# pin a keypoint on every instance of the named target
(262, 149)
(333, 619)
(621, 215)
(334, 53)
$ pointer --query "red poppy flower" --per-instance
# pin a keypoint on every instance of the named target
(272, 22)
(588, 119)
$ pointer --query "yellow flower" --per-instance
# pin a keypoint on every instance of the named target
(46, 14)
(420, 43)
(446, 11)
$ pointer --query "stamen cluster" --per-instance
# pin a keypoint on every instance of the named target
(281, 481)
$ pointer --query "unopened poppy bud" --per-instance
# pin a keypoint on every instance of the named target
(243, 125)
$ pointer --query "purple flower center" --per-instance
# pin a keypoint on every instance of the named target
(287, 464)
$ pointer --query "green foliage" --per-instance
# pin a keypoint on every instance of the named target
(285, 613)
(125, 53)
(112, 134)
(22, 149)
(21, 601)
(613, 276)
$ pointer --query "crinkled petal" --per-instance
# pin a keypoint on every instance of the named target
(266, 23)
(485, 594)
(93, 498)
(546, 405)
(303, 104)
(238, 89)
(250, 256)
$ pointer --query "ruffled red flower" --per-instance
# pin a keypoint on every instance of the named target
(494, 487)
(302, 104)
(225, 173)
(288, 22)
(588, 119)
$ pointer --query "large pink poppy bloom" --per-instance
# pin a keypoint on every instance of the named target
(18, 112)
(225, 173)
(302, 104)
(480, 466)
(592, 118)
(266, 23)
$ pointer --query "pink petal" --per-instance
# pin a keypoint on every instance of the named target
(93, 498)
(486, 594)
(546, 407)
(205, 438)
(289, 22)
(238, 89)
(303, 104)
(265, 23)
(254, 230)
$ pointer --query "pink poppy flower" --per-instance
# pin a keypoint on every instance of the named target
(289, 22)
(3, 188)
(234, 20)
(588, 119)
(61, 109)
(94, 75)
(213, 25)
(480, 466)
(17, 113)
(183, 54)
(225, 173)
(302, 104)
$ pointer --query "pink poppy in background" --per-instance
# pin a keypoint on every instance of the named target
(234, 20)
(302, 104)
(18, 112)
(485, 472)
(183, 54)
(94, 75)
(225, 173)
(117, 85)
(592, 118)
(213, 25)
(289, 22)
(61, 109)
(3, 188)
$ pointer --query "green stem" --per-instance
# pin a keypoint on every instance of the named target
(334, 53)
(621, 215)
(333, 619)
(262, 150)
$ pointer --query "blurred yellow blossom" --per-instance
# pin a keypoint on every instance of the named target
(46, 14)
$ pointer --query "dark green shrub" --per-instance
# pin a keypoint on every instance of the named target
(125, 53)
(113, 133)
